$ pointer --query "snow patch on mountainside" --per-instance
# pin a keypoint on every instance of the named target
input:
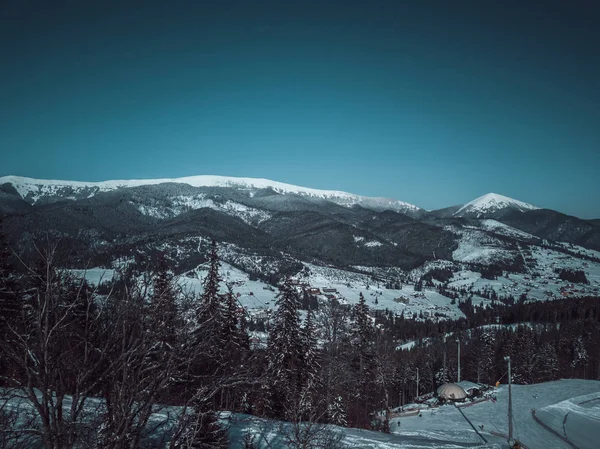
(477, 247)
(35, 189)
(349, 285)
(369, 244)
(504, 229)
(155, 211)
(183, 204)
(490, 203)
(186, 203)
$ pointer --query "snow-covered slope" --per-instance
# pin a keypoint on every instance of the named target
(492, 416)
(491, 203)
(34, 190)
(476, 246)
(577, 419)
(503, 229)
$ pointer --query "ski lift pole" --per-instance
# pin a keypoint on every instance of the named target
(510, 420)
(417, 382)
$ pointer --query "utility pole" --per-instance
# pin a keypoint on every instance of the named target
(458, 342)
(510, 419)
(417, 382)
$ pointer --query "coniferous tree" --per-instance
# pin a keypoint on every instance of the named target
(206, 340)
(548, 369)
(333, 323)
(211, 302)
(480, 356)
(363, 365)
(362, 329)
(235, 349)
(336, 412)
(419, 285)
(284, 354)
(311, 355)
(442, 376)
(311, 368)
(201, 429)
(163, 312)
(234, 329)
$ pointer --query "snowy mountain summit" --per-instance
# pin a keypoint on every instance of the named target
(492, 203)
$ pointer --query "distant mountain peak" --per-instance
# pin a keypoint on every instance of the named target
(491, 203)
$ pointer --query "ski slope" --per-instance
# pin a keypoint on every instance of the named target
(446, 428)
(552, 400)
(577, 419)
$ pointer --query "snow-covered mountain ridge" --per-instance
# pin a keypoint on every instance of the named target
(33, 190)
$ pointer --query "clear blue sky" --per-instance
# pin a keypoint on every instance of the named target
(431, 102)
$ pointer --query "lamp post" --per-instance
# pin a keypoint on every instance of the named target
(510, 422)
(458, 342)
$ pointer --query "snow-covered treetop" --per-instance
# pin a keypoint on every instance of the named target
(492, 202)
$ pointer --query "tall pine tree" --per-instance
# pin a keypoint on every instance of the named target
(363, 366)
(285, 353)
(207, 338)
(311, 381)
(163, 312)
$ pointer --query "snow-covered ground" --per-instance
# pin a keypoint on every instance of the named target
(348, 286)
(477, 246)
(504, 229)
(95, 276)
(539, 261)
(272, 435)
(577, 419)
(570, 407)
(552, 400)
(446, 427)
(257, 296)
(251, 294)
